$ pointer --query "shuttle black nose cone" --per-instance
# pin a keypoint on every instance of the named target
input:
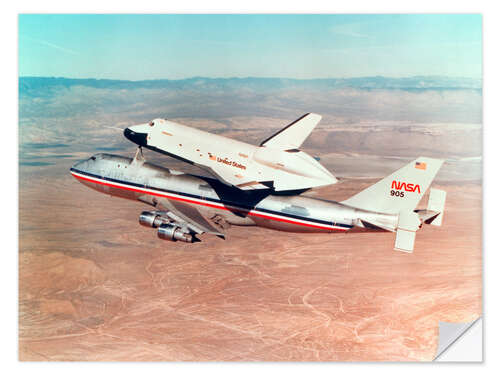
(138, 138)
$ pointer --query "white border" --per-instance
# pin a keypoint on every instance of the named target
(491, 177)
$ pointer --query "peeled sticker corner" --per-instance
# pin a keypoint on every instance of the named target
(451, 334)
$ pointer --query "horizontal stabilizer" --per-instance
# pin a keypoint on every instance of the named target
(408, 225)
(405, 241)
(427, 216)
(436, 203)
(293, 135)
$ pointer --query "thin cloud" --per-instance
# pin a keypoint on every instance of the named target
(52, 45)
(350, 29)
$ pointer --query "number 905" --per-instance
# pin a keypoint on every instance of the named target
(397, 193)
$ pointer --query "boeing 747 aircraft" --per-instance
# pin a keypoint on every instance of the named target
(185, 206)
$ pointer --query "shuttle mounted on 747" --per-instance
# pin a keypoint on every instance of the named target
(257, 186)
(277, 163)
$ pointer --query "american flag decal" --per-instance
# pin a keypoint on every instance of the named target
(421, 165)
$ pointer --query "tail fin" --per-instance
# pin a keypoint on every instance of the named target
(401, 191)
(293, 135)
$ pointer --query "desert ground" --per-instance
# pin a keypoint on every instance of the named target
(96, 286)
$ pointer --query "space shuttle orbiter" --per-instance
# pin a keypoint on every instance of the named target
(277, 163)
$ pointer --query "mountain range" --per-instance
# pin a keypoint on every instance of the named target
(40, 86)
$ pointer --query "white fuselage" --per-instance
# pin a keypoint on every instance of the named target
(118, 176)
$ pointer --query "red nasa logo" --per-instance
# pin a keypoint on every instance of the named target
(398, 188)
(398, 185)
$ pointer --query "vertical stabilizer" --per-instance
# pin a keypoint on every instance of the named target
(401, 191)
(293, 135)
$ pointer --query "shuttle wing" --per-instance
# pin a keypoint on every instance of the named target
(293, 135)
(240, 180)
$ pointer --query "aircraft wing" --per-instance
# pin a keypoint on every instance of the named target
(190, 217)
(293, 135)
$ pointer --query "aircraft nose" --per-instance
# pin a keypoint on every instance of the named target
(136, 137)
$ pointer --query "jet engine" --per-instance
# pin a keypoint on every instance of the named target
(166, 229)
(151, 219)
(174, 233)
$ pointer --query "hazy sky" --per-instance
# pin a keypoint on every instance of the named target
(139, 47)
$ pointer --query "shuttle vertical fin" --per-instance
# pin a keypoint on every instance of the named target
(293, 135)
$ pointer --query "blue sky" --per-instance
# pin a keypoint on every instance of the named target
(139, 47)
